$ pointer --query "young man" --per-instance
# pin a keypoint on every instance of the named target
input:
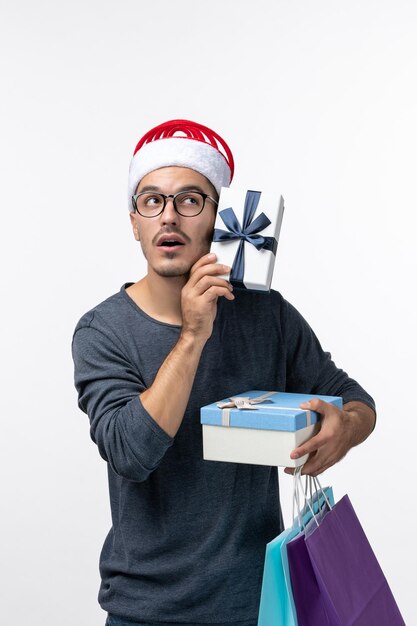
(188, 536)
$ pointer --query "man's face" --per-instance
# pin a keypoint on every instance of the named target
(194, 233)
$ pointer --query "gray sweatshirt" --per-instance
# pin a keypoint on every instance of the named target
(188, 536)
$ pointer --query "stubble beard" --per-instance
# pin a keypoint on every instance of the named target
(172, 272)
(182, 268)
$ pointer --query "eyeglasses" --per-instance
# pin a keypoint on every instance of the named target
(186, 203)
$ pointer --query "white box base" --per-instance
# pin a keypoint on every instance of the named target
(254, 446)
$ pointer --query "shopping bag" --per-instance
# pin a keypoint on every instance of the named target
(274, 590)
(310, 605)
(319, 501)
(276, 604)
(353, 587)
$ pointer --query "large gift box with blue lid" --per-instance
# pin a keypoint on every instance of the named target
(259, 427)
(246, 235)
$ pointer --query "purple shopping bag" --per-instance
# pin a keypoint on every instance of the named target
(353, 587)
(309, 603)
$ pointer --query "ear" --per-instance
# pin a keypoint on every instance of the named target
(135, 228)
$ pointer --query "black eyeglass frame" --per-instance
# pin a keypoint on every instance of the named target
(173, 196)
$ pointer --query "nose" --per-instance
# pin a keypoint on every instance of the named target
(169, 214)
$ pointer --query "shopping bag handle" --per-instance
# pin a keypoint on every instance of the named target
(308, 501)
(319, 489)
(298, 487)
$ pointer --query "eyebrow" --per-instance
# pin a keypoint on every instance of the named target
(185, 188)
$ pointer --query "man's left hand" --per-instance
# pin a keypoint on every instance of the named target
(340, 430)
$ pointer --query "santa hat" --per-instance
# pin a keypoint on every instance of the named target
(184, 144)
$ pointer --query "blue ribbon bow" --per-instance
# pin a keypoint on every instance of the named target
(247, 232)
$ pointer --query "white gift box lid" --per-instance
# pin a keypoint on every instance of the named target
(273, 410)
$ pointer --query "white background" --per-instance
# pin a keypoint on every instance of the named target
(318, 98)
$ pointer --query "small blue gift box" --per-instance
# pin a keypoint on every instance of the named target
(246, 234)
(259, 427)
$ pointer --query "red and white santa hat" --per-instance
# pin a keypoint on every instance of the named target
(184, 144)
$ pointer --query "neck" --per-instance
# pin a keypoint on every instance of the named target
(159, 296)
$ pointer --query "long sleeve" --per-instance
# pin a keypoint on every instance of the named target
(109, 388)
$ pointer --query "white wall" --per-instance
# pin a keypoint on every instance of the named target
(318, 97)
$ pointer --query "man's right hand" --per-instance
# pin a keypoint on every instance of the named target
(199, 297)
(167, 398)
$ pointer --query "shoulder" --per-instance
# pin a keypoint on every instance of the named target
(254, 309)
(103, 313)
(117, 311)
(269, 309)
(265, 305)
(109, 322)
(259, 299)
(117, 323)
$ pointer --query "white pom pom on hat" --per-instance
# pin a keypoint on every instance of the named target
(182, 143)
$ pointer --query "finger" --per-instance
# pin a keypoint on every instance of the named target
(229, 296)
(314, 469)
(208, 269)
(207, 259)
(320, 406)
(210, 281)
(214, 292)
(312, 445)
(312, 463)
(204, 260)
(318, 462)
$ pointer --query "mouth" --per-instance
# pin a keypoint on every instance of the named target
(170, 242)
